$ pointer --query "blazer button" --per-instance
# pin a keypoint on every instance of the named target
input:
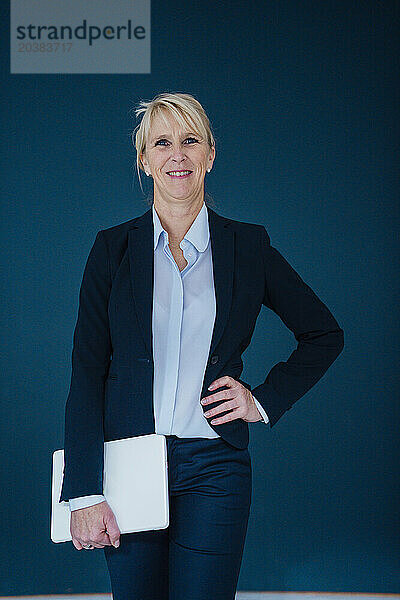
(214, 359)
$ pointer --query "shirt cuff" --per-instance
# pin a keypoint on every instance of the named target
(84, 502)
(262, 411)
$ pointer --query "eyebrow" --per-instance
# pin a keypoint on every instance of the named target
(166, 135)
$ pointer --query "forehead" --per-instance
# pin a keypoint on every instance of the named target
(166, 123)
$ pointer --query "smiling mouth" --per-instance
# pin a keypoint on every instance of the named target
(179, 174)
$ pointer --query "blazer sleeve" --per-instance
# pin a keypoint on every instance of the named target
(84, 410)
(320, 340)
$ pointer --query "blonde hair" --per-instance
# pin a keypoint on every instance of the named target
(183, 107)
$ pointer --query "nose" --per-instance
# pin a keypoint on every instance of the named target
(178, 154)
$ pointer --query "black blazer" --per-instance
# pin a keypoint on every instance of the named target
(111, 390)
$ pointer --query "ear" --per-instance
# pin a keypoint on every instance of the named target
(211, 157)
(144, 160)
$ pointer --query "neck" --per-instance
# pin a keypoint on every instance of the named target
(177, 219)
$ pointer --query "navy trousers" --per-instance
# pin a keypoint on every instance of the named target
(198, 556)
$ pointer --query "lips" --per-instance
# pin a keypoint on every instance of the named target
(179, 174)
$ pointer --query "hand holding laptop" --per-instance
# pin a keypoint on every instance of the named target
(95, 526)
(135, 485)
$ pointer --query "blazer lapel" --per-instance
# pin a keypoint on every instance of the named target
(141, 262)
(223, 255)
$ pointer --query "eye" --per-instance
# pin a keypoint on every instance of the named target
(161, 142)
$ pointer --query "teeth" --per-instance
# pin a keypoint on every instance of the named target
(179, 173)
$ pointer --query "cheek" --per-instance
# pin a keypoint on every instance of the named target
(200, 163)
(158, 165)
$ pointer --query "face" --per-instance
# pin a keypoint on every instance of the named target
(171, 150)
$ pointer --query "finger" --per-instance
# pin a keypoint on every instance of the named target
(107, 542)
(97, 538)
(103, 539)
(77, 544)
(222, 408)
(222, 395)
(115, 541)
(234, 414)
(113, 531)
(225, 380)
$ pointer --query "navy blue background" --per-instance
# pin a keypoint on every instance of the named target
(302, 97)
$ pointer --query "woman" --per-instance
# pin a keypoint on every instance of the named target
(168, 304)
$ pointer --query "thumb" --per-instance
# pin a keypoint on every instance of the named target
(113, 531)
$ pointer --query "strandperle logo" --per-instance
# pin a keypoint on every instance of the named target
(89, 33)
(80, 36)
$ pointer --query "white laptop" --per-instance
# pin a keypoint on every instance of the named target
(135, 485)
